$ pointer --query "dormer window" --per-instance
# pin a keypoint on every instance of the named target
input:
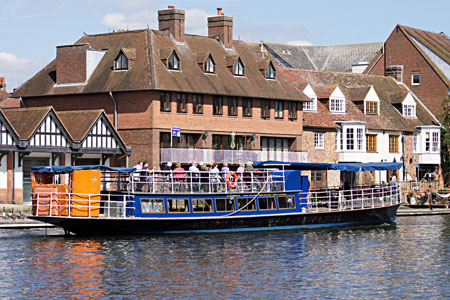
(270, 71)
(337, 105)
(310, 105)
(371, 108)
(210, 65)
(121, 62)
(238, 68)
(409, 110)
(174, 62)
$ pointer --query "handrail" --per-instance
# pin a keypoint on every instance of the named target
(331, 200)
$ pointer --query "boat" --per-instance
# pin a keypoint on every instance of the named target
(102, 200)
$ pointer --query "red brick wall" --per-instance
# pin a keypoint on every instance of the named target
(71, 64)
(140, 120)
(400, 51)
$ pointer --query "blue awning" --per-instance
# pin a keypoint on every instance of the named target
(67, 169)
(352, 167)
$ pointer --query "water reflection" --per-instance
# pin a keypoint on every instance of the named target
(410, 260)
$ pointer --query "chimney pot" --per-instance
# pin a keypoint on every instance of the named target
(222, 27)
(172, 19)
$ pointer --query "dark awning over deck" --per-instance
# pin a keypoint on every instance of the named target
(352, 167)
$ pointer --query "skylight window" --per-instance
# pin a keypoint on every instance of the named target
(174, 62)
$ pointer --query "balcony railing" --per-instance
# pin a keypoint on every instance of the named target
(229, 156)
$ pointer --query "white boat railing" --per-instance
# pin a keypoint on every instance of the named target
(362, 198)
(173, 182)
(81, 205)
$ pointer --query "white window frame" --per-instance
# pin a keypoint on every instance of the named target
(175, 61)
(270, 71)
(238, 68)
(435, 141)
(412, 79)
(310, 105)
(337, 105)
(319, 140)
(121, 62)
(415, 142)
(409, 110)
(210, 65)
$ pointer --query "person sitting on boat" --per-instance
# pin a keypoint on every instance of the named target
(195, 176)
(143, 176)
(240, 173)
(136, 175)
(225, 169)
(179, 176)
(204, 177)
(214, 176)
(167, 173)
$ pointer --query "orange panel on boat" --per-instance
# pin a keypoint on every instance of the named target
(86, 193)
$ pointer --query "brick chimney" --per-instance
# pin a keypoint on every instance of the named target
(172, 19)
(221, 26)
(2, 84)
(71, 63)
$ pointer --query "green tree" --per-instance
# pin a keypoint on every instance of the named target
(445, 141)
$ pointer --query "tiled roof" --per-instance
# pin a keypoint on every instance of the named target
(25, 121)
(78, 123)
(358, 93)
(389, 119)
(149, 72)
(323, 90)
(438, 43)
(338, 58)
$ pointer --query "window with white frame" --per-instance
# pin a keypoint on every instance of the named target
(415, 79)
(415, 142)
(174, 62)
(121, 62)
(210, 65)
(310, 105)
(319, 140)
(337, 105)
(350, 138)
(359, 139)
(270, 71)
(238, 68)
(409, 110)
(435, 142)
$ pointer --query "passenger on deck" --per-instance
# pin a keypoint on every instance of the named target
(180, 177)
(167, 174)
(240, 173)
(194, 173)
(225, 169)
(204, 177)
(214, 177)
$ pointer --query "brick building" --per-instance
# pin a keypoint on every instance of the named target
(421, 60)
(363, 118)
(226, 96)
(5, 99)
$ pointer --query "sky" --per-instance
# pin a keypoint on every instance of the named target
(31, 29)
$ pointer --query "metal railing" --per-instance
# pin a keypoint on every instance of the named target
(171, 182)
(337, 200)
(230, 156)
(81, 205)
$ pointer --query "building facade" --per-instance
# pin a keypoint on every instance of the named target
(225, 97)
(41, 136)
(421, 60)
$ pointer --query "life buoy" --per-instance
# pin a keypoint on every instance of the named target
(232, 185)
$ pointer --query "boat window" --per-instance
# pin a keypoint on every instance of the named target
(224, 204)
(149, 206)
(266, 203)
(247, 204)
(286, 202)
(178, 205)
(202, 205)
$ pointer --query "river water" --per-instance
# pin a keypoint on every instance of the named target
(409, 260)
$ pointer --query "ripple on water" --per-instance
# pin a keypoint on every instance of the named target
(409, 260)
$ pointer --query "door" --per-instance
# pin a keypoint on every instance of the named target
(27, 164)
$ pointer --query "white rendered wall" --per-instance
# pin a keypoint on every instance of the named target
(4, 173)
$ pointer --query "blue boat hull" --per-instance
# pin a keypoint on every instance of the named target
(152, 226)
